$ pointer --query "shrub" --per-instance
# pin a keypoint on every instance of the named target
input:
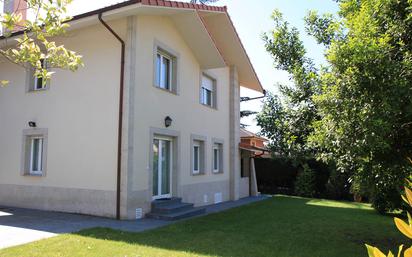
(403, 227)
(275, 175)
(338, 186)
(385, 199)
(305, 184)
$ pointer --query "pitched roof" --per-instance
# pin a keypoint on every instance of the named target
(247, 134)
(216, 22)
(159, 3)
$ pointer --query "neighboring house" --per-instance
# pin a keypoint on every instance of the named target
(254, 142)
(87, 143)
(252, 146)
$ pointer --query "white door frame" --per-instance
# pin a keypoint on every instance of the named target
(159, 168)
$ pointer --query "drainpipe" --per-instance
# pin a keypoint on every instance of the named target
(120, 124)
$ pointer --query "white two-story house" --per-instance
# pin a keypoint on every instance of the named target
(156, 122)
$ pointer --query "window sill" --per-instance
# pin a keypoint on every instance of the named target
(31, 91)
(32, 175)
(217, 172)
(173, 92)
(198, 174)
(208, 106)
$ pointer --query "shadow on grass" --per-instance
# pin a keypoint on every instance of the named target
(281, 226)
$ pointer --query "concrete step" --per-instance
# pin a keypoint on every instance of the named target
(165, 202)
(172, 207)
(177, 214)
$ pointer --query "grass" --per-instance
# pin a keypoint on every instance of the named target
(280, 226)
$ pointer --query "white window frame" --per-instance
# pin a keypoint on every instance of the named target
(33, 83)
(28, 157)
(39, 168)
(42, 86)
(216, 158)
(169, 53)
(218, 144)
(196, 145)
(206, 89)
(204, 94)
(162, 139)
(159, 71)
(200, 143)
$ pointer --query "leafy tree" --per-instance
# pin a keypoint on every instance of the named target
(358, 108)
(287, 121)
(366, 99)
(35, 43)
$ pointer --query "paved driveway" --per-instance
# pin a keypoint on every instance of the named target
(19, 226)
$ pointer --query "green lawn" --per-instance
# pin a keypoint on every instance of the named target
(281, 226)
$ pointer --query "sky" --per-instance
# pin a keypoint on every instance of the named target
(252, 19)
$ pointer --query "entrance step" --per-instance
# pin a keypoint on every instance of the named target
(173, 209)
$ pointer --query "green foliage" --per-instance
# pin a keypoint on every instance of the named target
(357, 110)
(305, 182)
(338, 185)
(287, 123)
(404, 228)
(366, 99)
(36, 42)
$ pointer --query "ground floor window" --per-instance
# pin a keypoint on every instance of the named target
(34, 152)
(217, 155)
(197, 154)
(36, 155)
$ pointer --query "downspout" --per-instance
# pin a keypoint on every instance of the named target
(120, 124)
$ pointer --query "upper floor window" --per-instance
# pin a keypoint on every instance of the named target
(208, 91)
(165, 74)
(163, 71)
(38, 82)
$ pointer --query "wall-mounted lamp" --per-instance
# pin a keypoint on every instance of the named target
(32, 124)
(168, 121)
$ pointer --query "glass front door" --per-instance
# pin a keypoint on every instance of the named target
(162, 168)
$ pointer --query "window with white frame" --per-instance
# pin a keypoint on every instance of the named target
(208, 91)
(36, 155)
(217, 157)
(34, 152)
(198, 155)
(37, 83)
(165, 70)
